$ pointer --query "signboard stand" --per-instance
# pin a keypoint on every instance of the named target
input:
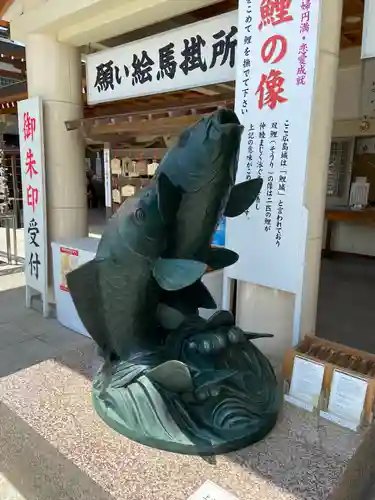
(306, 384)
(30, 120)
(107, 180)
(346, 400)
(275, 79)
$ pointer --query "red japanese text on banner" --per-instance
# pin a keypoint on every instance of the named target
(30, 118)
(277, 44)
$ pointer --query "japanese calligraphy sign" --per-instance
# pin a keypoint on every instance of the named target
(277, 43)
(199, 54)
(33, 188)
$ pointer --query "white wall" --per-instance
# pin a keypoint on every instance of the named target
(348, 93)
(348, 85)
(351, 238)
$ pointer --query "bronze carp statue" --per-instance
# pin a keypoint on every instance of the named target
(171, 379)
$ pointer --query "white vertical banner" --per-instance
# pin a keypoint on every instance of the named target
(367, 93)
(30, 123)
(368, 32)
(277, 48)
(107, 175)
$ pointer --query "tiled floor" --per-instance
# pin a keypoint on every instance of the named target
(346, 312)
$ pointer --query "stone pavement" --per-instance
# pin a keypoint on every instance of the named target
(54, 447)
(26, 338)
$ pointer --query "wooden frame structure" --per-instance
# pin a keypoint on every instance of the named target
(148, 118)
(11, 53)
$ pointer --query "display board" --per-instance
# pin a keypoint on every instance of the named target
(346, 400)
(198, 54)
(334, 379)
(306, 383)
(274, 90)
(30, 123)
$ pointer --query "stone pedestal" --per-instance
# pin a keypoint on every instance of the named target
(54, 446)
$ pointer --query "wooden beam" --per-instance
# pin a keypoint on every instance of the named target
(16, 92)
(21, 65)
(8, 109)
(12, 74)
(4, 6)
(345, 41)
(162, 126)
(9, 49)
(168, 104)
(146, 153)
(205, 91)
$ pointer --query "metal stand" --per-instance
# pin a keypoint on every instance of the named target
(10, 216)
(10, 220)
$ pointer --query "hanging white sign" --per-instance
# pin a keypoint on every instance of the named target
(199, 54)
(30, 123)
(368, 88)
(107, 176)
(274, 88)
(368, 33)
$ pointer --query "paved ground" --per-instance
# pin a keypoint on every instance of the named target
(54, 447)
(26, 339)
(25, 336)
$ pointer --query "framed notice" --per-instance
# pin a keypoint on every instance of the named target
(346, 400)
(306, 383)
(30, 123)
(69, 261)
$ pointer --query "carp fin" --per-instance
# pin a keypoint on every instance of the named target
(169, 318)
(218, 258)
(191, 298)
(214, 378)
(169, 198)
(220, 318)
(173, 376)
(84, 290)
(203, 296)
(242, 196)
(254, 336)
(175, 274)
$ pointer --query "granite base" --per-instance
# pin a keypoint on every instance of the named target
(53, 445)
